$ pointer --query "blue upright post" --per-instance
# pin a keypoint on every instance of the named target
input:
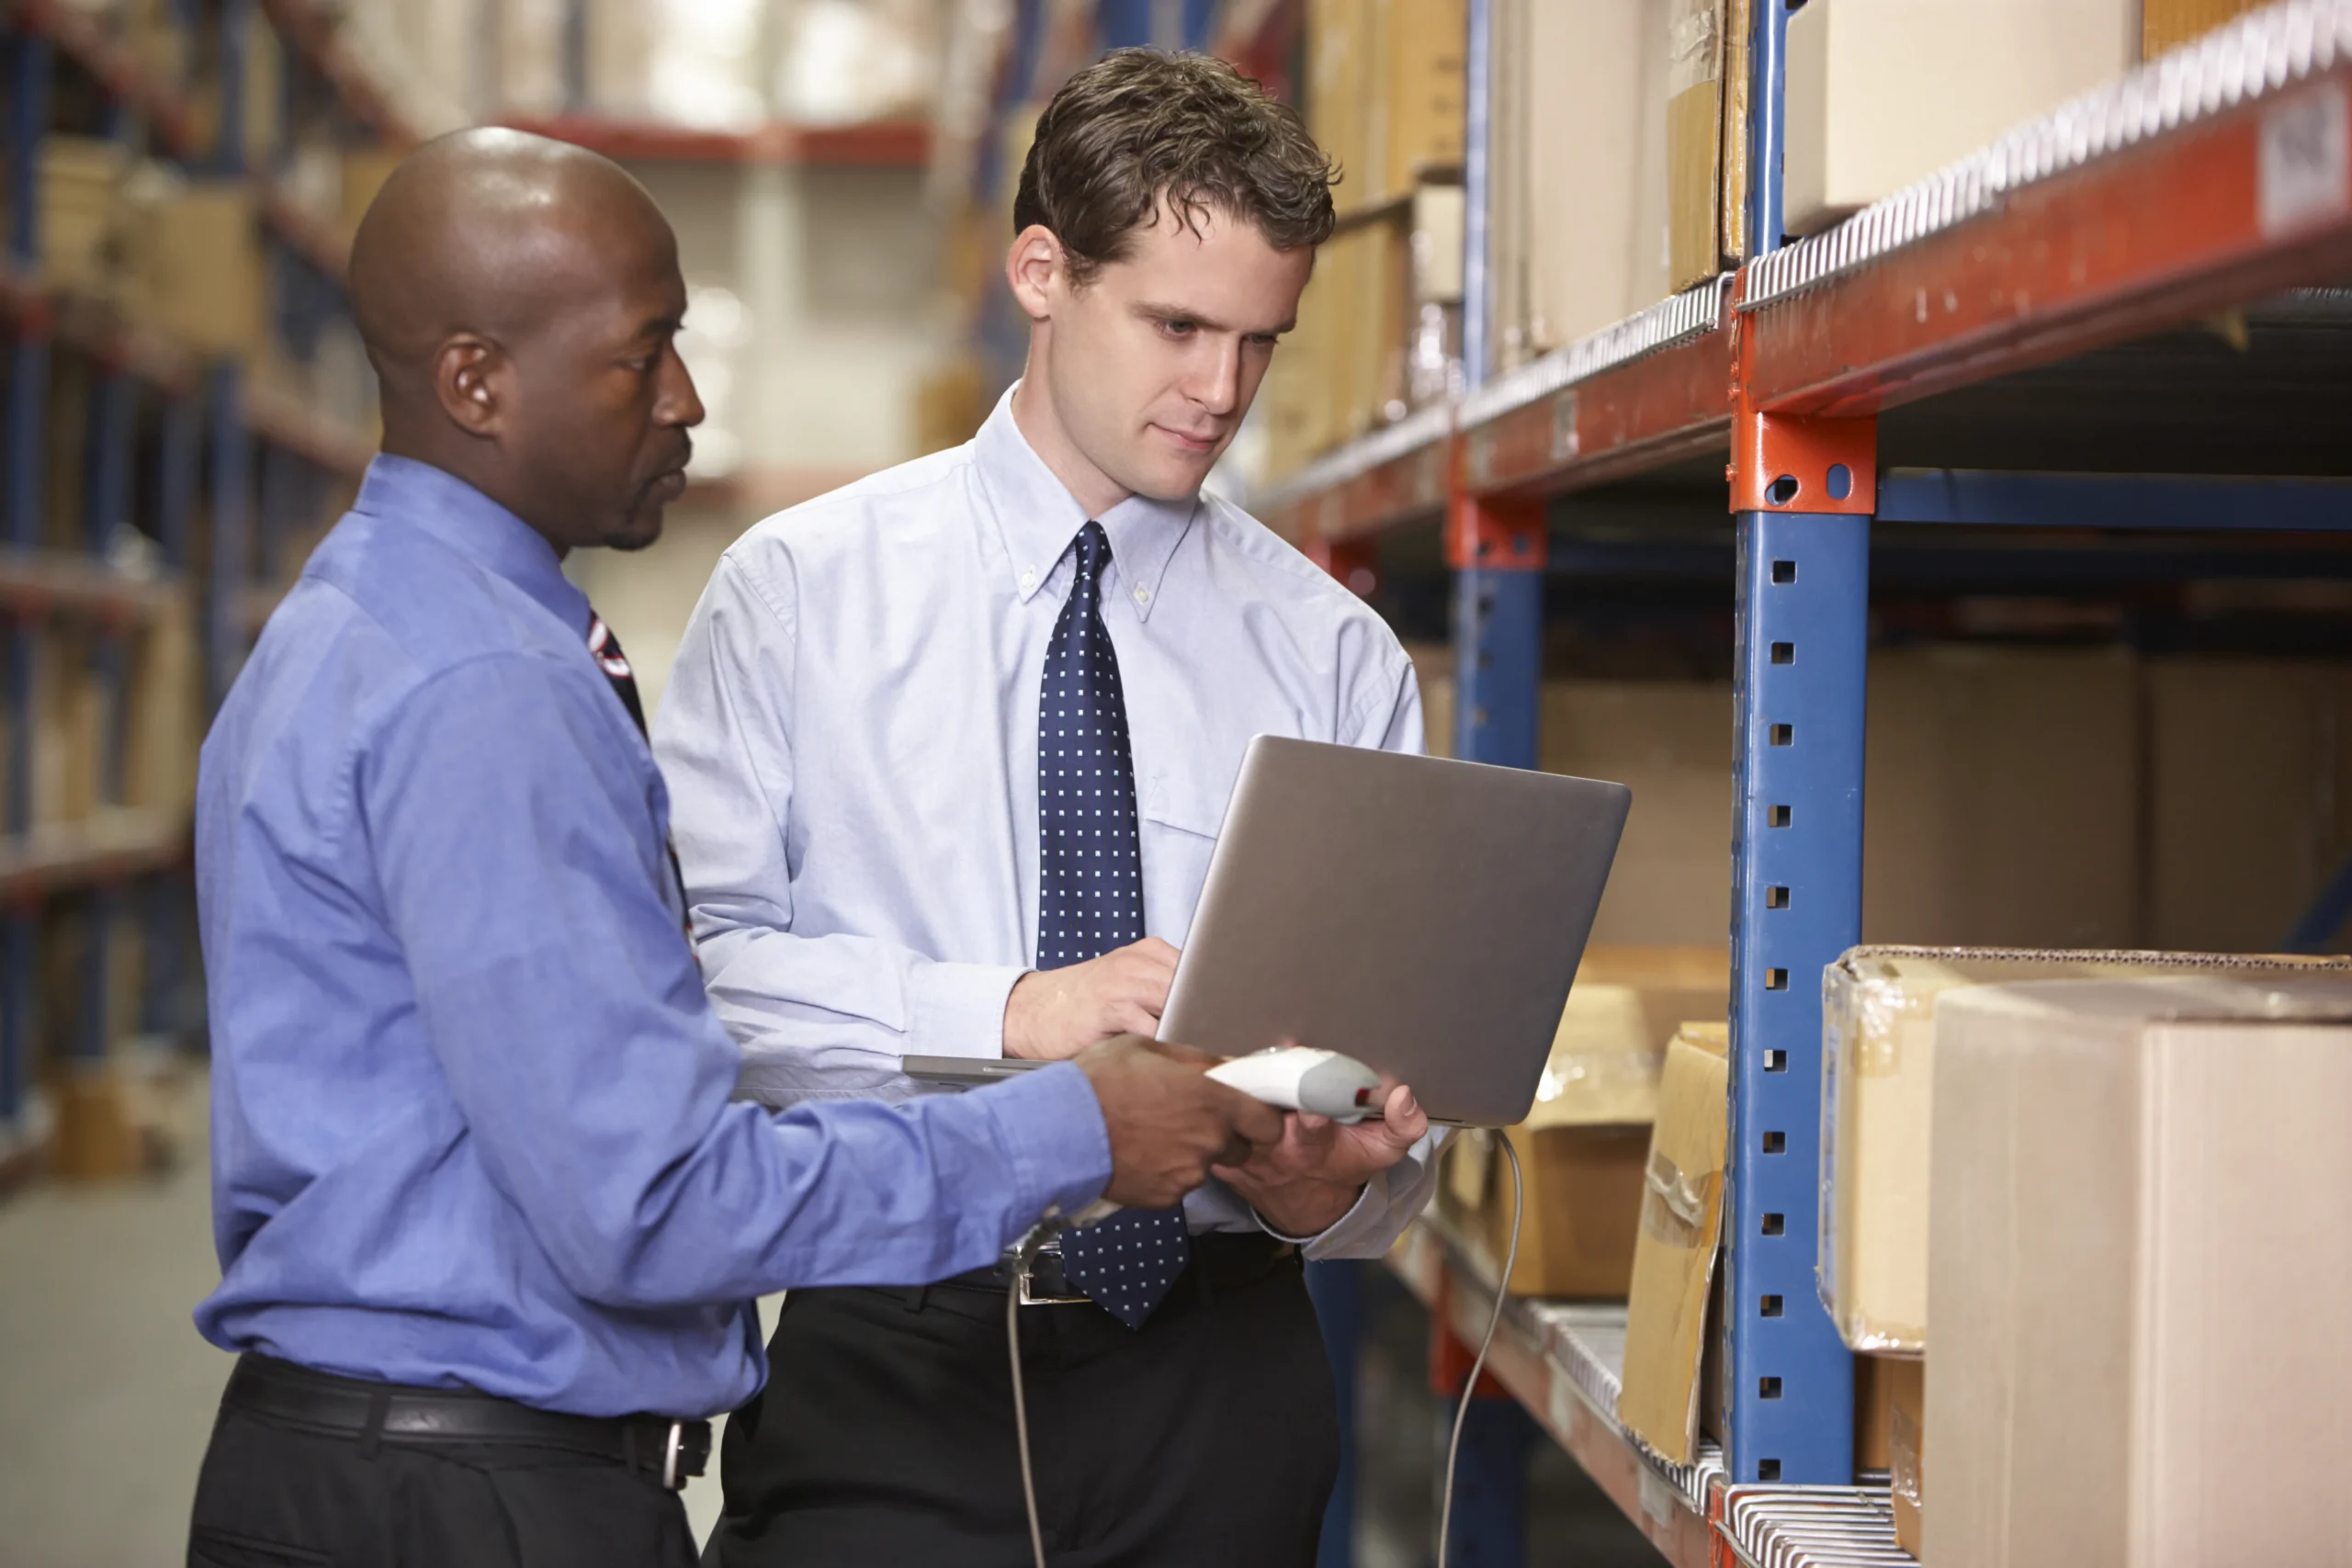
(179, 464)
(1497, 664)
(29, 61)
(1797, 899)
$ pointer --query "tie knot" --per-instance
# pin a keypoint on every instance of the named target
(1093, 549)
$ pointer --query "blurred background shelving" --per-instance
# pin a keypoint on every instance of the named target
(2060, 287)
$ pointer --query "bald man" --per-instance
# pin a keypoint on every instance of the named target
(490, 1223)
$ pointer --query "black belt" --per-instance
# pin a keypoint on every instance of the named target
(397, 1412)
(1220, 1260)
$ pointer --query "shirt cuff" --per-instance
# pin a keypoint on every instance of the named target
(958, 1010)
(1051, 1128)
(1339, 1227)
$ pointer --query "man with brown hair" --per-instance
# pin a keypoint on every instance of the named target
(949, 750)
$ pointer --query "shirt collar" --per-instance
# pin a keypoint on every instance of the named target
(421, 496)
(1036, 518)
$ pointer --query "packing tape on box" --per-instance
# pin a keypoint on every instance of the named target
(1674, 1207)
(1692, 48)
(1902, 1453)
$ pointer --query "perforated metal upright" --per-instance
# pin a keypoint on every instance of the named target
(28, 63)
(1802, 494)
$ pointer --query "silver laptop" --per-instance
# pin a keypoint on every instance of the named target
(1422, 916)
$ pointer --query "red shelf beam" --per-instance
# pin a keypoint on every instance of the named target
(2143, 238)
(1665, 405)
(83, 38)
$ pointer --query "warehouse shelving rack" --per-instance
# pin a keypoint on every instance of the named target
(191, 490)
(2013, 342)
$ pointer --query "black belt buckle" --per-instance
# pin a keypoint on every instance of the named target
(685, 1449)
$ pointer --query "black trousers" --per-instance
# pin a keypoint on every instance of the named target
(885, 1436)
(275, 1496)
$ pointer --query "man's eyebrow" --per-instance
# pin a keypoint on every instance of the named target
(1180, 313)
(662, 326)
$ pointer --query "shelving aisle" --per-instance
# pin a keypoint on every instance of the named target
(1988, 348)
(190, 482)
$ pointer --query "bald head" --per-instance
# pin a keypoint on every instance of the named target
(518, 297)
(487, 232)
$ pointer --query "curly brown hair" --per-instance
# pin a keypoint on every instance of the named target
(1141, 126)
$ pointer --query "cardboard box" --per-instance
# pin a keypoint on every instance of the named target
(1672, 741)
(1584, 1186)
(2249, 796)
(81, 185)
(1584, 1148)
(2003, 798)
(1906, 1383)
(1884, 93)
(194, 256)
(2167, 24)
(1588, 187)
(1879, 1008)
(1419, 121)
(1339, 44)
(1674, 1257)
(1615, 1032)
(1694, 138)
(2139, 1262)
(163, 731)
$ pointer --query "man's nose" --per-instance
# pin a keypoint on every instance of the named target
(1219, 388)
(679, 404)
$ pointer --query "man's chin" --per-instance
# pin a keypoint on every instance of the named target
(641, 530)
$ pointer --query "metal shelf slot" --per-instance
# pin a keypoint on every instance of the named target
(1796, 895)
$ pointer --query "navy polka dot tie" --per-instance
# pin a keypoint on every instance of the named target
(1090, 897)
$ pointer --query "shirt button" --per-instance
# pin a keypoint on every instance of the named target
(1143, 594)
(1029, 580)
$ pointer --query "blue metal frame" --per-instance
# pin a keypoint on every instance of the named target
(1497, 664)
(1336, 1287)
(1489, 1482)
(1796, 904)
(1768, 121)
(2113, 501)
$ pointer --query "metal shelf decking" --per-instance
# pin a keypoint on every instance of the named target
(113, 845)
(40, 581)
(1564, 1363)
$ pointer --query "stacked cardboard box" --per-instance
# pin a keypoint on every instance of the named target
(2026, 796)
(1387, 84)
(1584, 1147)
(193, 255)
(1882, 93)
(1579, 234)
(1880, 1008)
(2249, 796)
(81, 185)
(2137, 1265)
(1674, 1260)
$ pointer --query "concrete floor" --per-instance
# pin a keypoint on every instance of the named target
(106, 1392)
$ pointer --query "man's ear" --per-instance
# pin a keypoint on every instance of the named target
(471, 377)
(1033, 267)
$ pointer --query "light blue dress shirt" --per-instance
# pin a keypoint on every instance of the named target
(850, 734)
(472, 1117)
